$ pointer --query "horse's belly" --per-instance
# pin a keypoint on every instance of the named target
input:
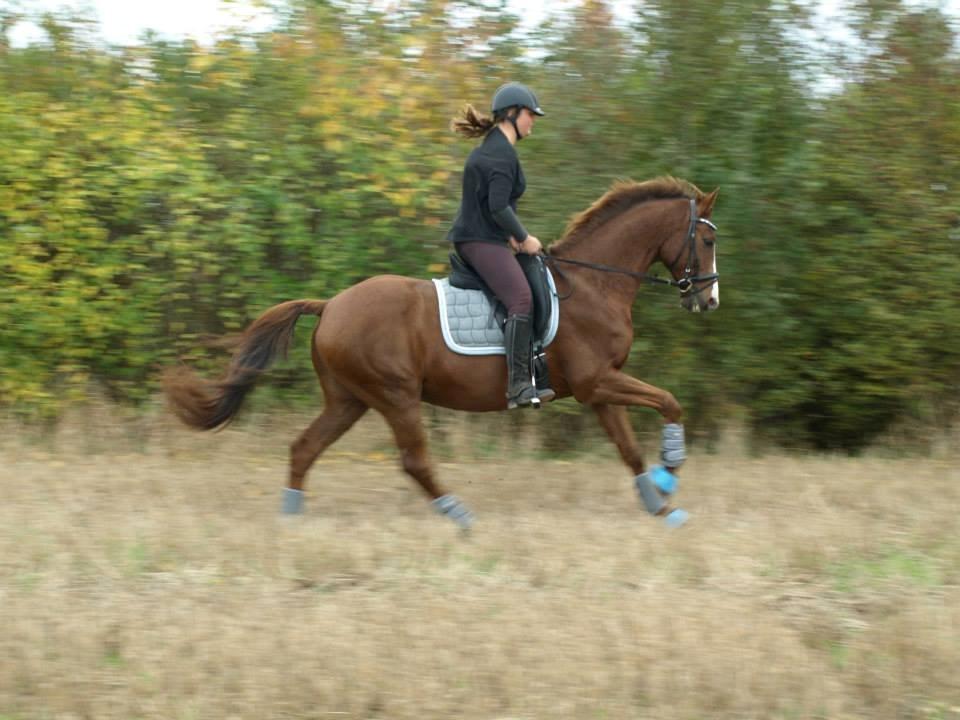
(461, 382)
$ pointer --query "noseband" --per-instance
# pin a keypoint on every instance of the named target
(686, 284)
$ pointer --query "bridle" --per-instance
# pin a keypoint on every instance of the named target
(687, 282)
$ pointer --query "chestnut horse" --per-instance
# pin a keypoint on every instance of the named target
(378, 343)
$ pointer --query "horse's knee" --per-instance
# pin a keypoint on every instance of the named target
(671, 410)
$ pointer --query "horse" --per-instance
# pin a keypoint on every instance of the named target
(377, 344)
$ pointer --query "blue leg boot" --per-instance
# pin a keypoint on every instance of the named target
(653, 486)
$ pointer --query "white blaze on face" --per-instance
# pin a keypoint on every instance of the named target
(714, 301)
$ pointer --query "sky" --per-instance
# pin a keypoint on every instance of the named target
(122, 21)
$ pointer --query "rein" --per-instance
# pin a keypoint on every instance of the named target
(684, 284)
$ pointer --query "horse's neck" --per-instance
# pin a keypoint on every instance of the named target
(629, 242)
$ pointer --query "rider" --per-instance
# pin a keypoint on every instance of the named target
(487, 231)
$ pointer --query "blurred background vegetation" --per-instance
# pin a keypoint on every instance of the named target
(158, 195)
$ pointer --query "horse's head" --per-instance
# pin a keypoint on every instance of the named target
(691, 256)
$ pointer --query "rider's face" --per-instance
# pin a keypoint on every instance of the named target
(525, 122)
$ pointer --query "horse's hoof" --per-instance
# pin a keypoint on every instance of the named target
(292, 502)
(677, 518)
(665, 481)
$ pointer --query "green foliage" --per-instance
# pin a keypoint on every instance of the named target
(867, 290)
(155, 196)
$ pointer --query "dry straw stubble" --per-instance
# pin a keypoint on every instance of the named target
(163, 584)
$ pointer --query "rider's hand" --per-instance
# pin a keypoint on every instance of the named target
(531, 246)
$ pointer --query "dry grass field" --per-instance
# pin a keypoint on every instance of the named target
(157, 580)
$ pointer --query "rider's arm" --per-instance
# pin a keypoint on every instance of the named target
(501, 187)
(508, 220)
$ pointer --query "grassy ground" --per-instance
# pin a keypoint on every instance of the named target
(158, 581)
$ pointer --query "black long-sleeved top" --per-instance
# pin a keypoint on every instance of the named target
(493, 181)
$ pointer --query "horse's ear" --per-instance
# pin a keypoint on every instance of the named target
(706, 205)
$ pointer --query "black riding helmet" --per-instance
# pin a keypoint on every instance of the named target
(514, 94)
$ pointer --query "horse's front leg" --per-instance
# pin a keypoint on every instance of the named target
(660, 482)
(618, 388)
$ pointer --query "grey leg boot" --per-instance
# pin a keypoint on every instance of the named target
(516, 339)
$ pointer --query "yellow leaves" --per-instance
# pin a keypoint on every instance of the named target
(330, 127)
(310, 110)
(8, 200)
(132, 135)
(71, 203)
(150, 203)
(402, 198)
(334, 145)
(201, 61)
(57, 168)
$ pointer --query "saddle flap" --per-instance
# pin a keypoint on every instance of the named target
(465, 320)
(535, 270)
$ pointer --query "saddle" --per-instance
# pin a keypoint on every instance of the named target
(472, 319)
(465, 277)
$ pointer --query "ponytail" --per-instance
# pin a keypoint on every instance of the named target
(471, 123)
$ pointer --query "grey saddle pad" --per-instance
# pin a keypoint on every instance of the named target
(468, 324)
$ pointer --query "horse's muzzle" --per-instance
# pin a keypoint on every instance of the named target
(700, 302)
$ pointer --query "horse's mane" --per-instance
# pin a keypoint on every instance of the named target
(622, 195)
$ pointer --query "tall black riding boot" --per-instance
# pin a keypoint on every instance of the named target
(516, 340)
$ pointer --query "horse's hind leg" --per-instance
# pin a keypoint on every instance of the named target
(341, 411)
(411, 439)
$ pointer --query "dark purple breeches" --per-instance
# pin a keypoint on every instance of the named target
(501, 272)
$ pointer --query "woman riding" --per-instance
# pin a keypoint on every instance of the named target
(487, 231)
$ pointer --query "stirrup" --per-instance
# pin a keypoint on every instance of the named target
(545, 395)
(522, 399)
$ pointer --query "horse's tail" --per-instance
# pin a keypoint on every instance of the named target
(207, 404)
